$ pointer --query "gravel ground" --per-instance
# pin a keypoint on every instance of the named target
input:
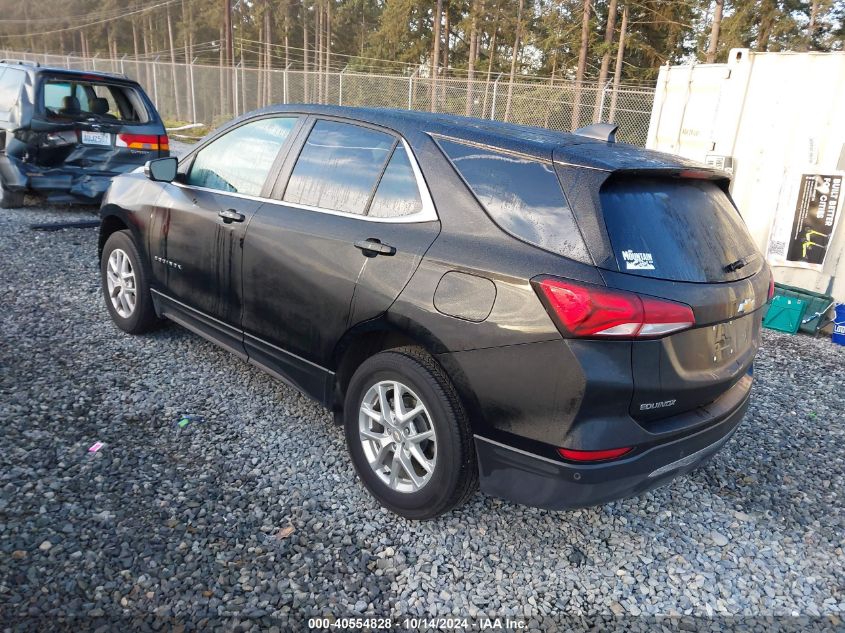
(254, 516)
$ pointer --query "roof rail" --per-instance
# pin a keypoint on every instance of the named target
(599, 131)
(19, 62)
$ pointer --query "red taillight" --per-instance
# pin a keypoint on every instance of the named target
(592, 311)
(593, 456)
(143, 141)
(771, 294)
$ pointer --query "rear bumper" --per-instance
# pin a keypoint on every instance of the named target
(540, 481)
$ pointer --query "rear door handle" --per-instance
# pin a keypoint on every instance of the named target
(372, 247)
(230, 215)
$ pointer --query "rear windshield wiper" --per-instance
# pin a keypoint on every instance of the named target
(740, 263)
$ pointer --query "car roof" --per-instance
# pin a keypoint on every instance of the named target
(566, 147)
(34, 69)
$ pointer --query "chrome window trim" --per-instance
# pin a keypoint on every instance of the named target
(427, 214)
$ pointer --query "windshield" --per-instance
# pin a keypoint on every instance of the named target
(76, 99)
(677, 229)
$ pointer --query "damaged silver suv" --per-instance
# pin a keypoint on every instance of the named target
(65, 133)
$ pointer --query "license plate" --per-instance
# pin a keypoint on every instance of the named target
(96, 138)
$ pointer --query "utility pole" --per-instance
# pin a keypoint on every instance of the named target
(714, 31)
(305, 48)
(173, 65)
(229, 50)
(473, 53)
(617, 74)
(605, 58)
(268, 52)
(328, 44)
(514, 58)
(435, 53)
(582, 64)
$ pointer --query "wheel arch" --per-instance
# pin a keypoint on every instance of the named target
(114, 218)
(368, 339)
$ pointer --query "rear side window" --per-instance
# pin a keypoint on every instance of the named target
(397, 194)
(240, 160)
(11, 81)
(676, 229)
(522, 195)
(339, 167)
(71, 98)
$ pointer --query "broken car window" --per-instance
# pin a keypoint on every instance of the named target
(80, 100)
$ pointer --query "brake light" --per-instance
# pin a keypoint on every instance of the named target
(143, 141)
(593, 456)
(586, 311)
(771, 294)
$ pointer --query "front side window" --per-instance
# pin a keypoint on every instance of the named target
(240, 160)
(522, 195)
(90, 99)
(339, 167)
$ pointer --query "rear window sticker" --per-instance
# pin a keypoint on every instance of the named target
(638, 261)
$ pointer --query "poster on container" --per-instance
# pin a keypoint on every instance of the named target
(802, 232)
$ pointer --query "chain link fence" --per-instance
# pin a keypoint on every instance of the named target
(210, 94)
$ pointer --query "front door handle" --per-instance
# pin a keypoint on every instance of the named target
(372, 247)
(230, 215)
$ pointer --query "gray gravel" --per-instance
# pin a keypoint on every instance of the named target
(255, 514)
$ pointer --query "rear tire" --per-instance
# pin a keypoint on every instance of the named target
(11, 199)
(125, 285)
(391, 458)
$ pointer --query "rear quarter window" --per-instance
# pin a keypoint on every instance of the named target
(676, 229)
(11, 80)
(521, 195)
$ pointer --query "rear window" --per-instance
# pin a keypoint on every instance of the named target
(681, 230)
(521, 195)
(75, 99)
(339, 167)
(11, 80)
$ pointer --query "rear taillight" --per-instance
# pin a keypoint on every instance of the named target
(586, 311)
(771, 294)
(143, 141)
(593, 456)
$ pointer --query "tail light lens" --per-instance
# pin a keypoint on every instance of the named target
(143, 141)
(586, 311)
(593, 456)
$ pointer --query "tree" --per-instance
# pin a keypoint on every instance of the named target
(582, 63)
(714, 31)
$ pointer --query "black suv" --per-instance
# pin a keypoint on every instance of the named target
(566, 319)
(65, 133)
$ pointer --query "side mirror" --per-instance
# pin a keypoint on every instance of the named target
(162, 169)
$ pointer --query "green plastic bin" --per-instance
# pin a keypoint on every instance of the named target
(817, 306)
(785, 314)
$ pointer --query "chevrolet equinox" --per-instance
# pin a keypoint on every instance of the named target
(559, 318)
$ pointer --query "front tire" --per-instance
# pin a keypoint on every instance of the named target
(11, 199)
(125, 285)
(408, 434)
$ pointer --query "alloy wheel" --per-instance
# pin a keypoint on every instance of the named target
(397, 436)
(120, 280)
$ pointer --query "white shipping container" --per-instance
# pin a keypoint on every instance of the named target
(770, 118)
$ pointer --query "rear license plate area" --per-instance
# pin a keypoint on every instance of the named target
(96, 138)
